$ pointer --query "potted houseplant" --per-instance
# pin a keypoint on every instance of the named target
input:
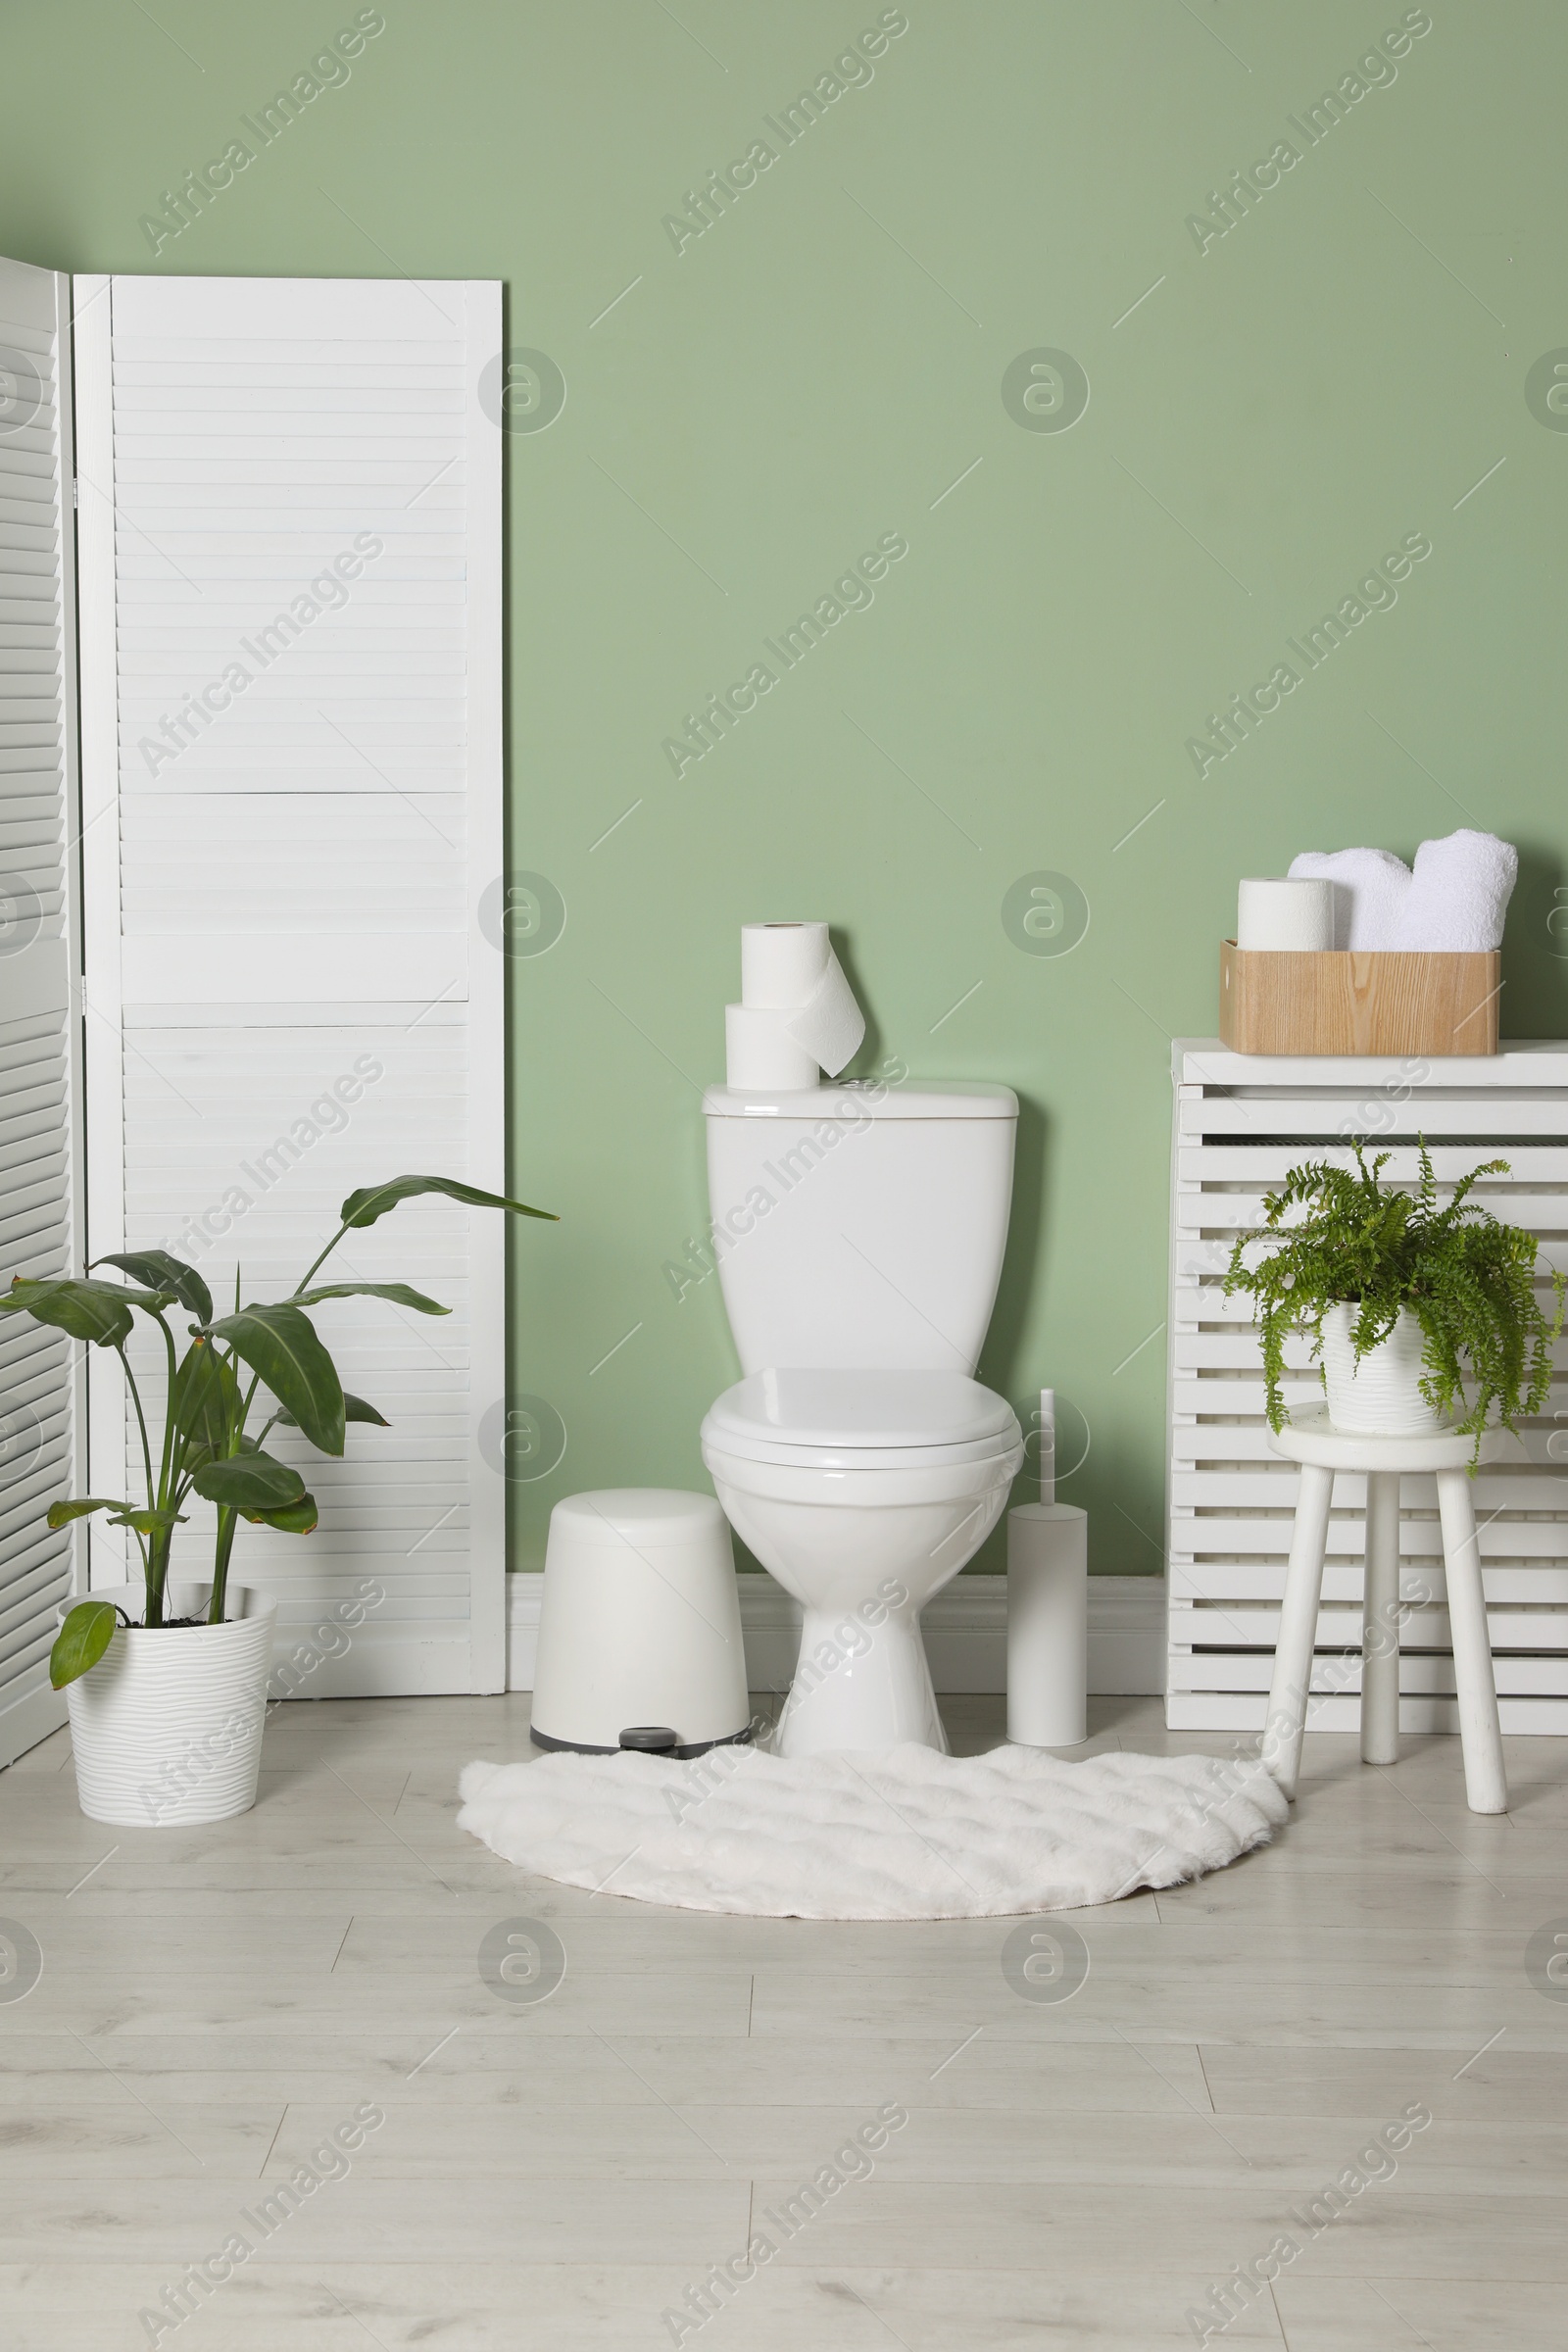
(166, 1682)
(1423, 1317)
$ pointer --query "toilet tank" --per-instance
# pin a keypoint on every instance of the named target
(860, 1224)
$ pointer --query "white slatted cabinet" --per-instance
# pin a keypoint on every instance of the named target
(288, 992)
(1241, 1122)
(41, 1386)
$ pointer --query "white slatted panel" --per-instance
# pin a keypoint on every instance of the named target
(288, 996)
(1232, 1501)
(41, 1417)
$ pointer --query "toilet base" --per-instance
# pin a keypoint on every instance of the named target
(862, 1550)
(859, 1688)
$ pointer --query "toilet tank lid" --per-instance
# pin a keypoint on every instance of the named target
(867, 1097)
(809, 1407)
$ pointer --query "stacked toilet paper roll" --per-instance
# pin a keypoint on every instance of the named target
(796, 1016)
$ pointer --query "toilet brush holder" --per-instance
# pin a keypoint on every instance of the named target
(1047, 1625)
(1047, 1610)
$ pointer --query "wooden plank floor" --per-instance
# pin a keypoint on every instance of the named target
(555, 2177)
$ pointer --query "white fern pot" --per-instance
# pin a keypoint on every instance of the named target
(1381, 1396)
(167, 1728)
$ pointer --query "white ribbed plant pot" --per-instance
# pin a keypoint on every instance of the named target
(167, 1728)
(1381, 1396)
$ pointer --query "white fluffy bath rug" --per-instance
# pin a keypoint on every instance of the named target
(906, 1834)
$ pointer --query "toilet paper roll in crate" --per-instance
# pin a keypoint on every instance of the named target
(1287, 915)
(1048, 1609)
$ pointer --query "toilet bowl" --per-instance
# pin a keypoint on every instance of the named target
(863, 1491)
(860, 1233)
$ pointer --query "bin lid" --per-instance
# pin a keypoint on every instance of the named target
(640, 1515)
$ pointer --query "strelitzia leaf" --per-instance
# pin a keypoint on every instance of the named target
(250, 1482)
(206, 1400)
(60, 1515)
(398, 1291)
(98, 1312)
(81, 1640)
(147, 1523)
(363, 1207)
(279, 1344)
(161, 1272)
(290, 1519)
(354, 1408)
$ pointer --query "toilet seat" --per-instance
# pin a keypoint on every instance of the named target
(859, 1485)
(810, 1418)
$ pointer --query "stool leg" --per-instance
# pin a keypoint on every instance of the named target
(1485, 1782)
(1380, 1622)
(1293, 1656)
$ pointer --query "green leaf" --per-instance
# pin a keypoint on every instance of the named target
(81, 1640)
(398, 1291)
(161, 1272)
(98, 1312)
(205, 1402)
(363, 1207)
(60, 1515)
(354, 1408)
(290, 1519)
(250, 1482)
(279, 1344)
(147, 1523)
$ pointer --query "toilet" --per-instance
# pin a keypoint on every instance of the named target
(860, 1233)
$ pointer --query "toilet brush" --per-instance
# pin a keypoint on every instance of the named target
(1047, 1608)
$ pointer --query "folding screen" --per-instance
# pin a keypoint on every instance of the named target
(290, 561)
(40, 1375)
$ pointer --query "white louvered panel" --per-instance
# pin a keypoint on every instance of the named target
(1521, 1558)
(1232, 1501)
(343, 866)
(1250, 1487)
(221, 1119)
(1339, 1627)
(294, 856)
(1447, 1112)
(41, 1417)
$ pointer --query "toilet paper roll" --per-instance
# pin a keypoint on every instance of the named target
(830, 1024)
(1047, 1625)
(791, 967)
(781, 963)
(760, 1054)
(1277, 915)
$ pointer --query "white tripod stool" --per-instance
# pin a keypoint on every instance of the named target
(1310, 1439)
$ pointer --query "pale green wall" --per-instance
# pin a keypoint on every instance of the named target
(1334, 373)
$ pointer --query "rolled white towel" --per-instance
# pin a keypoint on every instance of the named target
(1458, 895)
(1370, 887)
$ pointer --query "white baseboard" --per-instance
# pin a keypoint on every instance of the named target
(965, 1634)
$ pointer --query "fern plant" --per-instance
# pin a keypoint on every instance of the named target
(1337, 1235)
